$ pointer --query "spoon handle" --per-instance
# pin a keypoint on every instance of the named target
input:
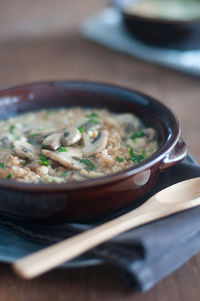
(50, 257)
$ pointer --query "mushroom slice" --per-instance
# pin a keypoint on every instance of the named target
(70, 158)
(25, 150)
(6, 139)
(53, 141)
(39, 137)
(95, 146)
(71, 136)
(149, 133)
(130, 122)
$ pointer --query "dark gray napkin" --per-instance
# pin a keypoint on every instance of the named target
(144, 255)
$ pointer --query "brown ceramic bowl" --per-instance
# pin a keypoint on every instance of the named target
(177, 34)
(90, 199)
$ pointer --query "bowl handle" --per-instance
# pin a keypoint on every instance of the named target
(175, 156)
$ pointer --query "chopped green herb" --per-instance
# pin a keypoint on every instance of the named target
(88, 163)
(44, 160)
(93, 122)
(82, 129)
(33, 135)
(92, 115)
(2, 165)
(11, 129)
(138, 134)
(119, 159)
(89, 124)
(62, 149)
(137, 158)
(64, 174)
(10, 175)
(144, 153)
(131, 152)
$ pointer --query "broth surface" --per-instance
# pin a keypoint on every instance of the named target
(72, 144)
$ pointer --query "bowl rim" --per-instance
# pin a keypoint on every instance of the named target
(157, 157)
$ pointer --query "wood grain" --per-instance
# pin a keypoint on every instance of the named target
(39, 40)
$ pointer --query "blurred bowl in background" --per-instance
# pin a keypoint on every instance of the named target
(165, 23)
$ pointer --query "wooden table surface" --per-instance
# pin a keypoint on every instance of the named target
(39, 40)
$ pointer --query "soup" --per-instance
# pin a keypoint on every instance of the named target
(166, 9)
(75, 144)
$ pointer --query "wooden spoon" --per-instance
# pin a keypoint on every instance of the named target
(176, 198)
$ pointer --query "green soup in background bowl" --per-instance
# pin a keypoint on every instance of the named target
(167, 9)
